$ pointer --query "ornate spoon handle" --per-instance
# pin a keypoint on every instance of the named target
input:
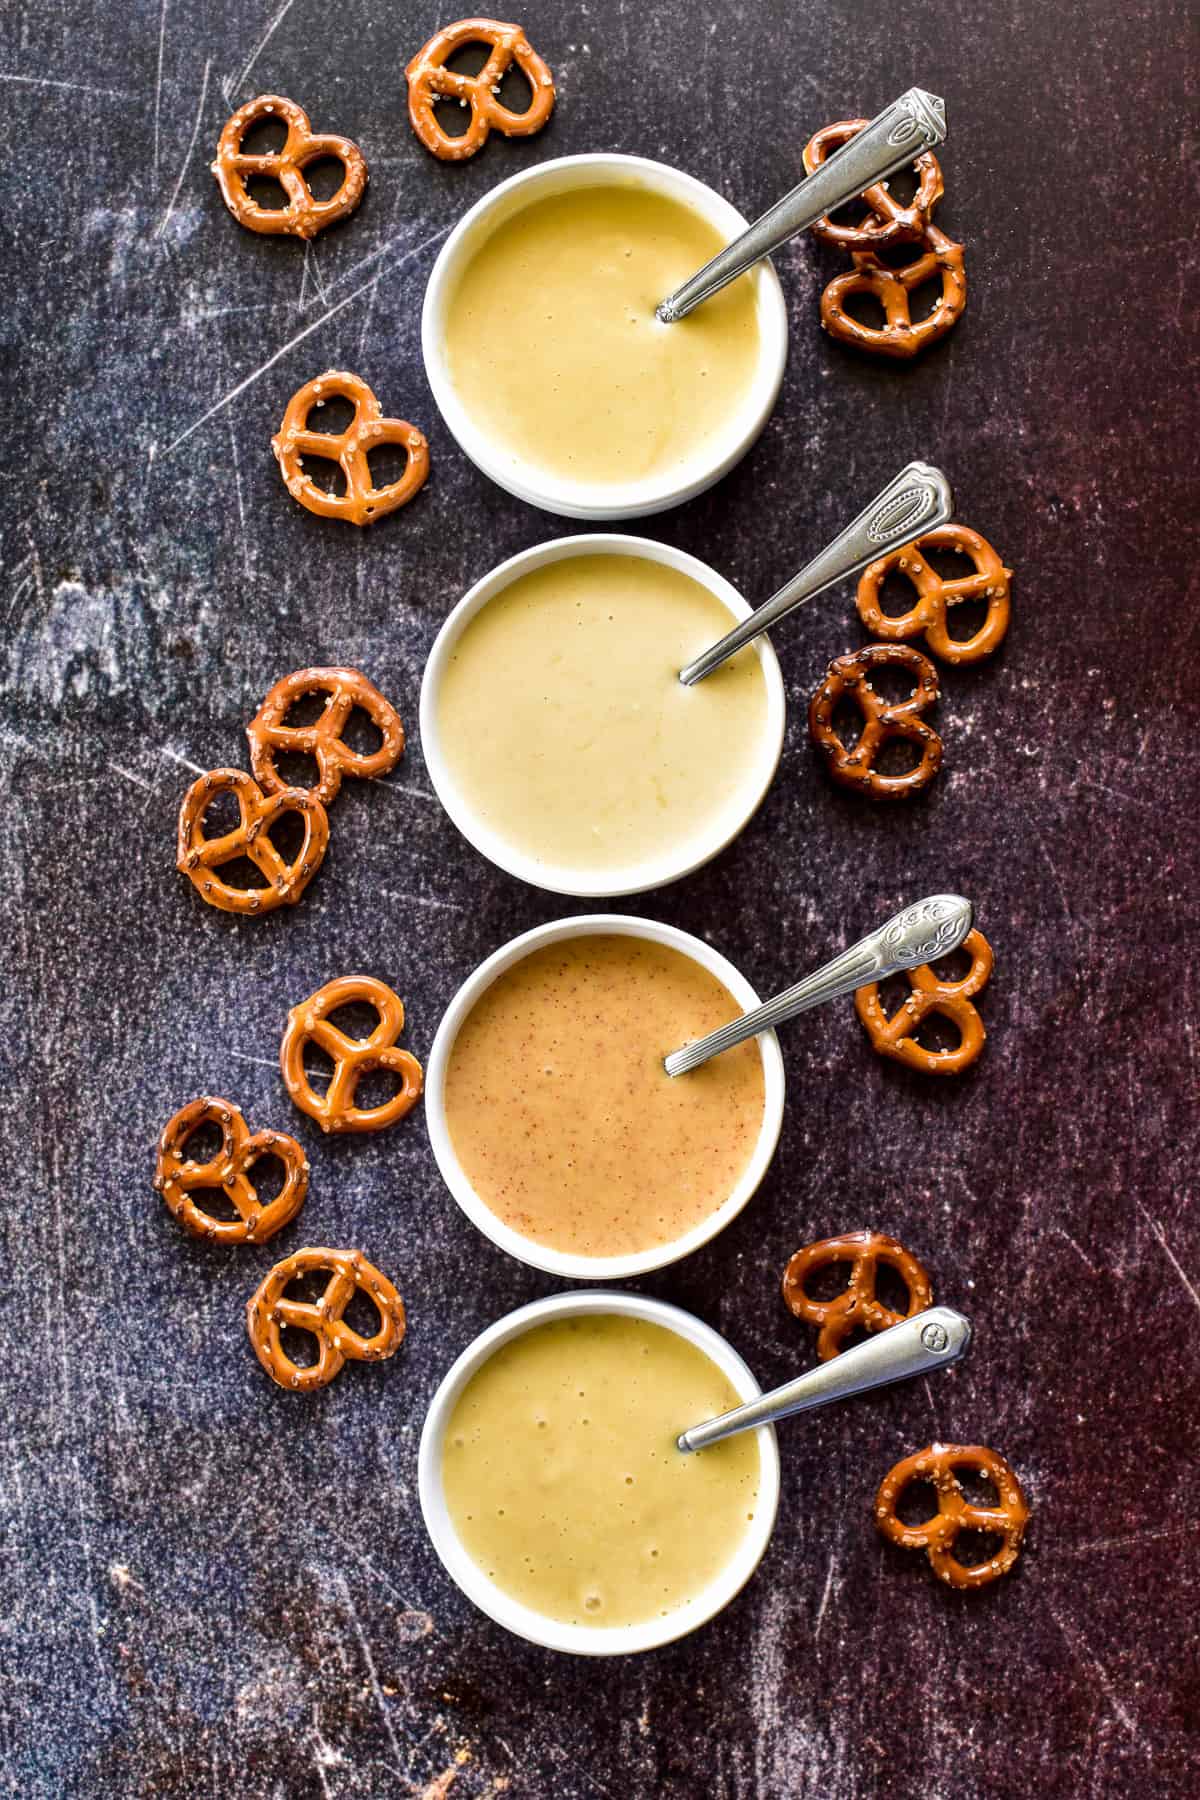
(901, 131)
(919, 934)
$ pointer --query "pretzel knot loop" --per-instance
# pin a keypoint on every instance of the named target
(352, 1058)
(429, 80)
(899, 335)
(955, 1514)
(857, 1306)
(883, 721)
(935, 596)
(199, 857)
(362, 502)
(896, 1037)
(270, 736)
(887, 222)
(304, 215)
(177, 1177)
(269, 1312)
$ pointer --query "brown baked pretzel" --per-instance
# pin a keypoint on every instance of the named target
(362, 502)
(887, 222)
(307, 1023)
(900, 335)
(989, 582)
(347, 688)
(857, 1306)
(896, 1037)
(882, 721)
(429, 79)
(955, 1513)
(269, 1311)
(176, 1177)
(198, 857)
(304, 215)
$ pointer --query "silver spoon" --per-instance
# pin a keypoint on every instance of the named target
(914, 501)
(913, 123)
(920, 934)
(929, 1340)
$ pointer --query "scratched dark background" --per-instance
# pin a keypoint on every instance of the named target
(213, 1587)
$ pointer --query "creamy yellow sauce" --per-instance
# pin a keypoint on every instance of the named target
(562, 1116)
(553, 345)
(564, 1482)
(566, 729)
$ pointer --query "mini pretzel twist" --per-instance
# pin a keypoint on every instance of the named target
(899, 335)
(955, 1513)
(857, 1306)
(429, 79)
(362, 502)
(896, 1037)
(176, 1176)
(198, 857)
(347, 688)
(352, 1057)
(304, 215)
(269, 1311)
(882, 721)
(887, 222)
(935, 597)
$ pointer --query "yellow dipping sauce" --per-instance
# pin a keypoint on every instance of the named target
(566, 729)
(554, 349)
(562, 1116)
(564, 1482)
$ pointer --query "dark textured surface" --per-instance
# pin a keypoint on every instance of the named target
(214, 1588)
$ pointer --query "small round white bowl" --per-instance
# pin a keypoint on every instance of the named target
(631, 878)
(562, 1262)
(590, 500)
(554, 1634)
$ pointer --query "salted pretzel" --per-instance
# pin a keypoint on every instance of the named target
(900, 335)
(199, 857)
(883, 721)
(308, 1023)
(887, 222)
(304, 215)
(955, 1513)
(346, 688)
(178, 1176)
(989, 581)
(896, 1037)
(430, 80)
(362, 502)
(269, 1312)
(857, 1306)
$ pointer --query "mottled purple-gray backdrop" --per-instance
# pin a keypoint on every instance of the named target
(211, 1587)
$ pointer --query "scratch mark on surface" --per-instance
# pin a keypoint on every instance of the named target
(828, 1589)
(241, 504)
(1134, 1538)
(372, 1675)
(268, 1062)
(1078, 1249)
(398, 787)
(70, 87)
(129, 775)
(162, 224)
(175, 757)
(158, 81)
(1085, 1655)
(1170, 1255)
(237, 80)
(422, 900)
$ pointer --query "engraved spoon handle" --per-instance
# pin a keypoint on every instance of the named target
(920, 934)
(901, 131)
(915, 500)
(929, 1340)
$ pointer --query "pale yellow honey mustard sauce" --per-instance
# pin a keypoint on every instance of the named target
(553, 346)
(564, 1482)
(562, 1116)
(566, 729)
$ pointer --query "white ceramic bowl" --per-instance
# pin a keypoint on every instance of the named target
(629, 878)
(582, 1640)
(590, 500)
(562, 1262)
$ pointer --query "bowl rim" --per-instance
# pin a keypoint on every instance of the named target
(524, 1621)
(609, 500)
(631, 878)
(568, 1264)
